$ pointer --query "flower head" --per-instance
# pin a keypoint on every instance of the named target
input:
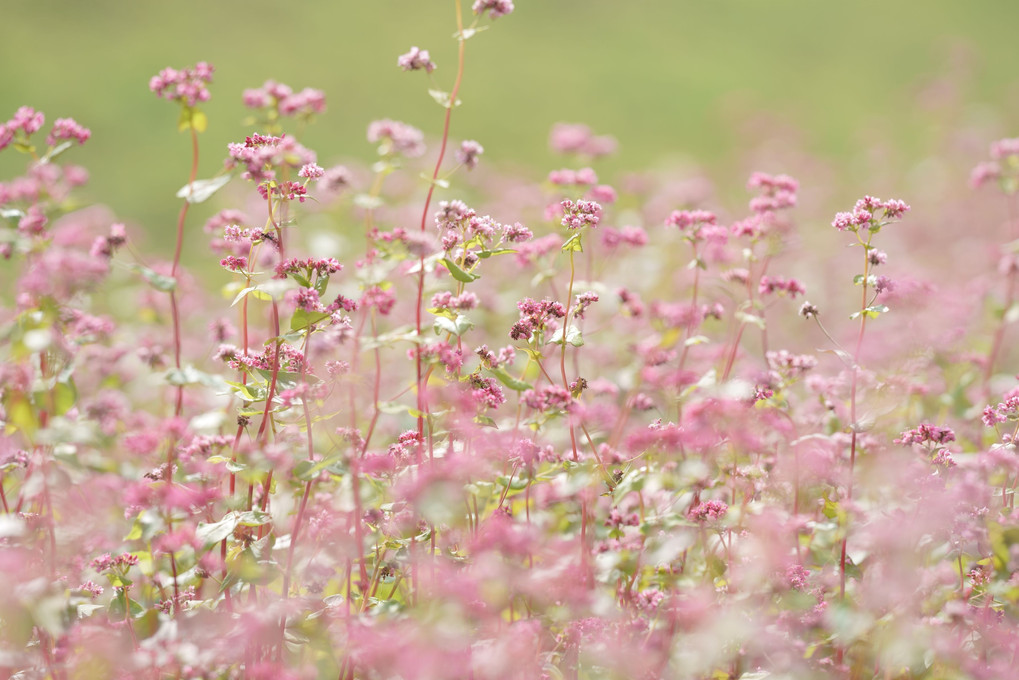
(188, 86)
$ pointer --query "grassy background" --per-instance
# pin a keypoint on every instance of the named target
(671, 79)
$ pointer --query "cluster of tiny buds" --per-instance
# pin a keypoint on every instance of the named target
(870, 212)
(710, 511)
(416, 60)
(579, 214)
(1005, 155)
(323, 267)
(468, 153)
(567, 177)
(495, 8)
(809, 311)
(186, 86)
(281, 97)
(777, 192)
(392, 136)
(926, 433)
(27, 121)
(105, 562)
(579, 139)
(687, 219)
(775, 284)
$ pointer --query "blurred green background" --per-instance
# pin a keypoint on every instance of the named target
(672, 80)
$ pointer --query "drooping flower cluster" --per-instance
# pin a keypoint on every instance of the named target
(535, 316)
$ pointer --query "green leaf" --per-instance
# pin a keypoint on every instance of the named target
(573, 336)
(367, 201)
(211, 534)
(244, 391)
(871, 312)
(574, 243)
(253, 518)
(457, 273)
(56, 151)
(485, 421)
(442, 99)
(509, 381)
(189, 375)
(158, 281)
(201, 190)
(438, 181)
(751, 319)
(485, 254)
(306, 470)
(192, 118)
(303, 318)
(457, 327)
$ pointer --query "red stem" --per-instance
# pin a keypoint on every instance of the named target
(421, 404)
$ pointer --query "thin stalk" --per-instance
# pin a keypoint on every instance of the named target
(421, 403)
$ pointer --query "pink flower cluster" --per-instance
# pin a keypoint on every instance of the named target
(187, 86)
(495, 8)
(580, 214)
(274, 95)
(415, 60)
(394, 137)
(567, 177)
(580, 139)
(870, 212)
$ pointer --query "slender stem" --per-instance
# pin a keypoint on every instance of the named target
(421, 402)
(852, 411)
(562, 354)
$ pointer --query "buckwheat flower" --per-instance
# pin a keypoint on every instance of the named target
(68, 128)
(796, 577)
(516, 233)
(569, 137)
(396, 137)
(187, 86)
(311, 171)
(925, 433)
(584, 300)
(883, 284)
(877, 257)
(495, 8)
(895, 209)
(603, 193)
(982, 174)
(27, 119)
(580, 214)
(305, 103)
(33, 222)
(383, 300)
(468, 153)
(685, 219)
(708, 512)
(416, 60)
(1005, 147)
(234, 263)
(256, 98)
(91, 588)
(335, 178)
(808, 311)
(6, 137)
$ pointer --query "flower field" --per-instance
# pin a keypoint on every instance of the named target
(429, 418)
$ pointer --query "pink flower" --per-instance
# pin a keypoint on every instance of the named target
(415, 60)
(187, 86)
